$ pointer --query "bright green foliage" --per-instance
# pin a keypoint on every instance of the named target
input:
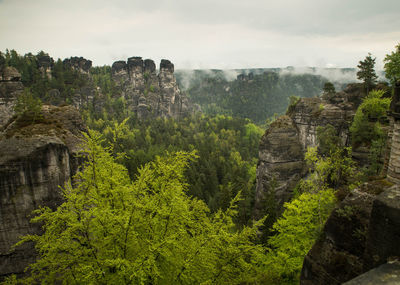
(303, 219)
(227, 147)
(367, 129)
(28, 107)
(296, 231)
(292, 104)
(328, 171)
(111, 230)
(328, 140)
(392, 65)
(366, 126)
(366, 72)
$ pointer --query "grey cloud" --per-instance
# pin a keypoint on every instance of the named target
(204, 34)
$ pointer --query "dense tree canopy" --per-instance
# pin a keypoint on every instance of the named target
(366, 126)
(228, 149)
(111, 230)
(256, 97)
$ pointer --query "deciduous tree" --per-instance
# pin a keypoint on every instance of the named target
(392, 65)
(111, 230)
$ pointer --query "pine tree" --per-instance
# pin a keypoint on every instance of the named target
(367, 73)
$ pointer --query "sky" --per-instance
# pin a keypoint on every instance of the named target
(220, 34)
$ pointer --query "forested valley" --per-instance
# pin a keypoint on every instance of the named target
(171, 199)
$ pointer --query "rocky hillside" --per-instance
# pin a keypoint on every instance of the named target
(363, 232)
(282, 147)
(136, 84)
(35, 158)
(10, 87)
(149, 93)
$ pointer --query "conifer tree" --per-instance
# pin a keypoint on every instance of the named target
(367, 73)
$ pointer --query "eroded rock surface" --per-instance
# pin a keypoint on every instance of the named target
(80, 64)
(280, 164)
(147, 93)
(10, 88)
(360, 234)
(386, 274)
(35, 158)
(282, 148)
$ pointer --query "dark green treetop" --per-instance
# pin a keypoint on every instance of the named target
(366, 72)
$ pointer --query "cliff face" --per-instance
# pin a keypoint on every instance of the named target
(363, 232)
(280, 164)
(282, 147)
(149, 93)
(10, 88)
(35, 158)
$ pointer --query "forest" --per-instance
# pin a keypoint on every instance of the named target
(256, 96)
(170, 200)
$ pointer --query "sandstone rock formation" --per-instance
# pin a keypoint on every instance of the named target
(10, 88)
(282, 148)
(80, 64)
(148, 93)
(386, 274)
(363, 232)
(280, 166)
(35, 158)
(45, 64)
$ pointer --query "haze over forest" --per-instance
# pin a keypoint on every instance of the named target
(199, 142)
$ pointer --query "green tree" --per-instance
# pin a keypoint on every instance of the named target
(296, 232)
(27, 107)
(366, 126)
(303, 219)
(392, 65)
(329, 88)
(328, 139)
(367, 73)
(111, 230)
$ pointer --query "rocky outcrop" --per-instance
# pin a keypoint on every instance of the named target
(386, 274)
(364, 231)
(280, 166)
(282, 148)
(45, 64)
(310, 113)
(361, 234)
(147, 93)
(10, 88)
(80, 64)
(393, 161)
(35, 158)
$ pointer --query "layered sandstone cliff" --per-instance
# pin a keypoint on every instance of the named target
(10, 88)
(363, 232)
(147, 93)
(35, 159)
(282, 147)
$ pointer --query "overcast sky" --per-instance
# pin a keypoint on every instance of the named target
(205, 33)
